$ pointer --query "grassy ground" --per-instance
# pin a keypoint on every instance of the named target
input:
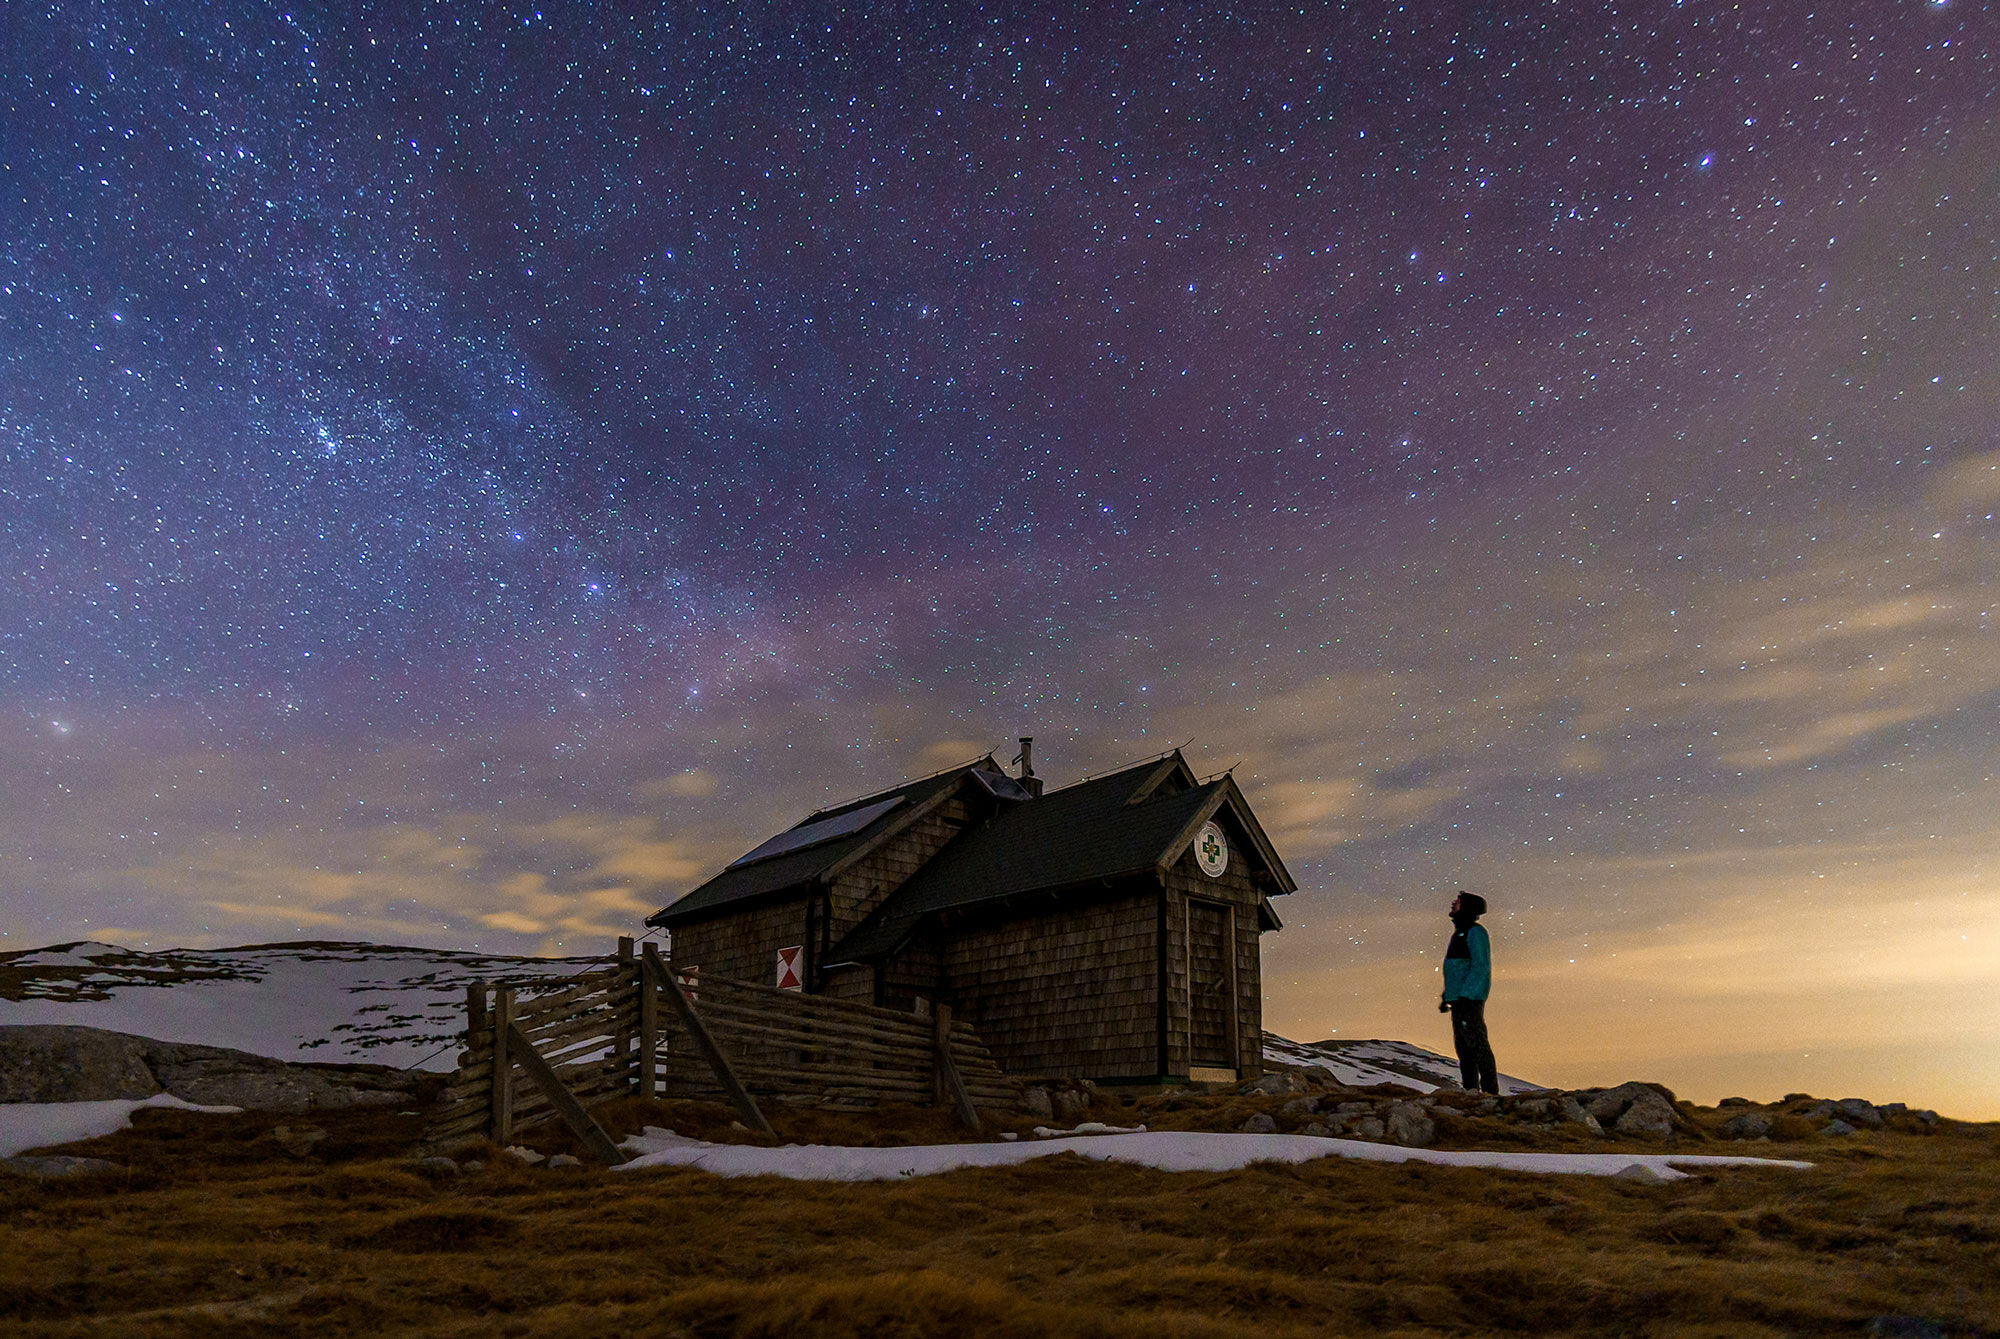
(216, 1229)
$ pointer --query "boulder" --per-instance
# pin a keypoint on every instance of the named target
(1368, 1127)
(1838, 1127)
(48, 1168)
(1409, 1126)
(1301, 1106)
(48, 1063)
(1315, 1130)
(1856, 1111)
(1735, 1102)
(1071, 1105)
(1260, 1124)
(61, 1063)
(1654, 1120)
(1574, 1114)
(1535, 1109)
(1749, 1125)
(1035, 1101)
(1634, 1108)
(565, 1160)
(1275, 1084)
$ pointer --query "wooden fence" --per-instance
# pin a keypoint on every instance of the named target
(536, 1052)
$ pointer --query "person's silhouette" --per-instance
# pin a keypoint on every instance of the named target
(1468, 979)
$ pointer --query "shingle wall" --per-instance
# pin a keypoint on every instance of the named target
(1072, 991)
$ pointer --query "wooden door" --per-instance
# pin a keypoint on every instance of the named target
(1211, 986)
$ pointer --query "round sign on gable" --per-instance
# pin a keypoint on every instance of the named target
(1211, 851)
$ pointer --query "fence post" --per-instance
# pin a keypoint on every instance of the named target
(950, 1088)
(649, 1029)
(660, 974)
(503, 1066)
(621, 1040)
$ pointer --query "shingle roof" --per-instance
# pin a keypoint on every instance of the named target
(1075, 835)
(742, 883)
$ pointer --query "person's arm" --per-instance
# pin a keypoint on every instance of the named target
(1479, 975)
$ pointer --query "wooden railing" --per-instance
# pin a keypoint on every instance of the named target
(639, 1029)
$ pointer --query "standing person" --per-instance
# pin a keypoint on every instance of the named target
(1468, 979)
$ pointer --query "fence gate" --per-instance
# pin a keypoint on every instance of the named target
(539, 1051)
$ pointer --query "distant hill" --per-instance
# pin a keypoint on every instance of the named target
(1361, 1063)
(379, 1004)
(333, 1002)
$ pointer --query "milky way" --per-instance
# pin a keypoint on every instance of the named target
(469, 474)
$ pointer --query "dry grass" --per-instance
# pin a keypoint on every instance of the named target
(215, 1230)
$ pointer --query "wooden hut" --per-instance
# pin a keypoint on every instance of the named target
(1108, 929)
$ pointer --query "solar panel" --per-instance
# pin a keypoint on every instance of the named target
(825, 830)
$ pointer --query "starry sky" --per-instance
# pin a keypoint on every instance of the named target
(467, 472)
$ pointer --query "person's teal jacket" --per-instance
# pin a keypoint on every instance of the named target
(1469, 977)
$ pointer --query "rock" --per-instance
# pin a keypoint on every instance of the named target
(1891, 1108)
(1316, 1130)
(1654, 1119)
(1368, 1127)
(1634, 1108)
(1301, 1106)
(1817, 1111)
(1789, 1098)
(298, 1142)
(1574, 1114)
(1858, 1112)
(1838, 1127)
(1539, 1108)
(1260, 1124)
(1643, 1173)
(1735, 1102)
(48, 1168)
(1275, 1084)
(564, 1160)
(1925, 1116)
(474, 1165)
(1035, 1101)
(440, 1168)
(1355, 1109)
(1409, 1126)
(61, 1063)
(49, 1063)
(1071, 1106)
(1904, 1327)
(1749, 1125)
(527, 1155)
(1485, 1106)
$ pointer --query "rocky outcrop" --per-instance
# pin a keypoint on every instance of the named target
(81, 1064)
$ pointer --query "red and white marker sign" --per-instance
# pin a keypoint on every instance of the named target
(788, 968)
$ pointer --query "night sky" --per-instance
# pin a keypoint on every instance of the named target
(466, 475)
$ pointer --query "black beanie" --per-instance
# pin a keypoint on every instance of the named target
(1474, 904)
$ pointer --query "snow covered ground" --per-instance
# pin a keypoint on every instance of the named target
(1172, 1151)
(1359, 1064)
(26, 1125)
(328, 1002)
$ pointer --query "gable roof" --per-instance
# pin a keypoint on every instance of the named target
(783, 868)
(1113, 826)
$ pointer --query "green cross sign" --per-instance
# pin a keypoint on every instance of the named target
(1211, 848)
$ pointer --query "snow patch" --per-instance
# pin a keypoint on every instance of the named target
(26, 1125)
(1362, 1064)
(1170, 1151)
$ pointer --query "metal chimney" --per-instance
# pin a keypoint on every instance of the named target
(1029, 781)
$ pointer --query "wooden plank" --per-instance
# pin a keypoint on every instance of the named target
(649, 1032)
(897, 1028)
(503, 1086)
(660, 978)
(579, 1121)
(949, 1087)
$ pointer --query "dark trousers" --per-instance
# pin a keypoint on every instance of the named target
(1475, 1053)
